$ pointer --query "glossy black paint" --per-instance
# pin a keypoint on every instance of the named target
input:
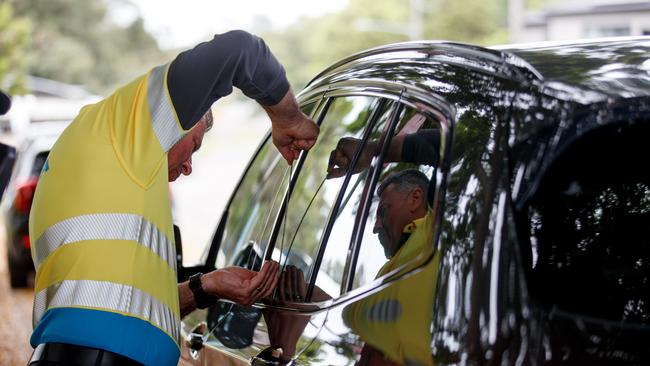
(512, 115)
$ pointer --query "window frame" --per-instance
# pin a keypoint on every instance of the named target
(430, 105)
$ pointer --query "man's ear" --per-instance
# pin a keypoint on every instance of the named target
(415, 199)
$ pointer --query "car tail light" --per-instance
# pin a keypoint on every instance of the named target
(26, 243)
(25, 195)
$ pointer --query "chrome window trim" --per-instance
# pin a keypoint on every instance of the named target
(431, 105)
(322, 245)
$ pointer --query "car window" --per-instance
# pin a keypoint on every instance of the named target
(314, 195)
(588, 227)
(39, 161)
(254, 207)
(332, 266)
(399, 224)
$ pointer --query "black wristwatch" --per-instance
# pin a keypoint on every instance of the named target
(201, 298)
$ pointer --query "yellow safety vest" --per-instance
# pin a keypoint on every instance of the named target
(397, 319)
(101, 220)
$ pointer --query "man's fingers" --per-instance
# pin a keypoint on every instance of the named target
(271, 285)
(282, 287)
(302, 286)
(335, 173)
(261, 277)
(297, 292)
(287, 154)
(304, 144)
(262, 283)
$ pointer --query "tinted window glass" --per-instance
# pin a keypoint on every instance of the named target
(254, 208)
(252, 212)
(338, 243)
(589, 228)
(314, 195)
(39, 161)
(401, 206)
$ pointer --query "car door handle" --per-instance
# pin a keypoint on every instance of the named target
(194, 340)
(270, 356)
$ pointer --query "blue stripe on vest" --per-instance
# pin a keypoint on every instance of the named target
(124, 335)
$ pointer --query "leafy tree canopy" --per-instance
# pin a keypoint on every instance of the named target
(313, 43)
(75, 41)
(14, 42)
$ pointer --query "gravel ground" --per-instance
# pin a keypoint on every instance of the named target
(15, 317)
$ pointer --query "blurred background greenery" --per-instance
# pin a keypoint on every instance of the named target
(80, 42)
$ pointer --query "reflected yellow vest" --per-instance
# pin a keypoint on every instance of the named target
(101, 219)
(397, 319)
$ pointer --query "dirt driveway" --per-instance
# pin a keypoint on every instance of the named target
(15, 316)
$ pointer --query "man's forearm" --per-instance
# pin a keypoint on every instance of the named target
(292, 130)
(185, 298)
(285, 112)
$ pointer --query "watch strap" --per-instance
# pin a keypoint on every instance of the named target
(201, 298)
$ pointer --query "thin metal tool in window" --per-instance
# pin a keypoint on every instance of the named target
(259, 237)
(295, 233)
(284, 225)
(251, 255)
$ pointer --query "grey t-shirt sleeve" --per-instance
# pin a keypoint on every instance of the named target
(422, 147)
(200, 76)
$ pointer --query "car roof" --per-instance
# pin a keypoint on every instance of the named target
(592, 70)
(583, 71)
(600, 81)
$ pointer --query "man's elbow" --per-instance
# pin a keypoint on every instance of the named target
(236, 41)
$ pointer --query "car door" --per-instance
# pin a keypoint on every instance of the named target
(7, 159)
(240, 239)
(277, 212)
(383, 313)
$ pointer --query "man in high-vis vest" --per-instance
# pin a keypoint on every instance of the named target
(105, 288)
(395, 322)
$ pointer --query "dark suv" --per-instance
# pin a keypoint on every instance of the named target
(534, 247)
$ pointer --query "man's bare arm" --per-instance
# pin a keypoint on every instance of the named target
(236, 284)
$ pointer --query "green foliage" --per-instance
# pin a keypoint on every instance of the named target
(14, 40)
(311, 44)
(74, 41)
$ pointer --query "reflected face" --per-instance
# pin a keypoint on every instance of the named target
(179, 157)
(391, 218)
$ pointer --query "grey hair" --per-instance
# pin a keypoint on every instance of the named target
(405, 181)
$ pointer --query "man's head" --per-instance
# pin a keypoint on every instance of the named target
(179, 157)
(402, 199)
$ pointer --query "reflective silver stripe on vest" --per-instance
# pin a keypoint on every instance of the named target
(110, 296)
(105, 226)
(162, 112)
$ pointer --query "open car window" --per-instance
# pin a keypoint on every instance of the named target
(311, 201)
(254, 207)
(318, 235)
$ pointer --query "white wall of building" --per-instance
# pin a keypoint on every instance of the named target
(598, 25)
(580, 20)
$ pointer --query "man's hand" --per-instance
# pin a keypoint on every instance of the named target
(341, 157)
(291, 140)
(292, 130)
(292, 286)
(241, 285)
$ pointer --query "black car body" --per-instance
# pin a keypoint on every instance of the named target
(537, 247)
